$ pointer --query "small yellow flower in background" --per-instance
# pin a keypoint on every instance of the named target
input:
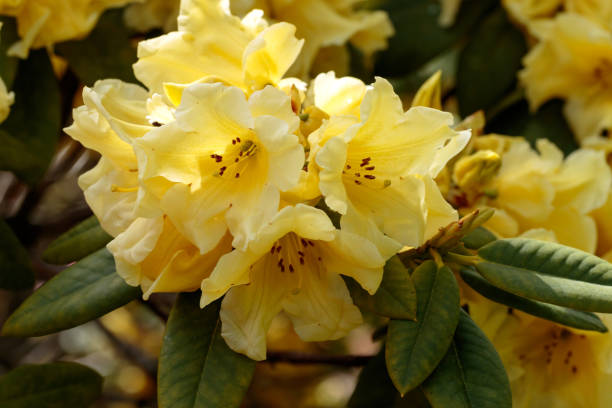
(573, 61)
(448, 12)
(325, 23)
(534, 191)
(379, 167)
(6, 99)
(527, 11)
(151, 14)
(223, 162)
(548, 365)
(294, 265)
(211, 45)
(42, 23)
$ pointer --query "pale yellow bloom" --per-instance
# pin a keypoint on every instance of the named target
(543, 190)
(211, 45)
(377, 169)
(294, 265)
(42, 23)
(223, 162)
(573, 60)
(548, 365)
(148, 249)
(325, 23)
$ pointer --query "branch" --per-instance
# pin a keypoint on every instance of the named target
(130, 352)
(297, 357)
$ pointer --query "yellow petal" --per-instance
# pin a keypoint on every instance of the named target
(338, 96)
(430, 93)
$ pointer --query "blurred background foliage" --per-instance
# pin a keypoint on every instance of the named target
(479, 56)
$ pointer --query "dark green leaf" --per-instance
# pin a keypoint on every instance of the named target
(395, 297)
(558, 314)
(8, 36)
(29, 134)
(418, 36)
(374, 388)
(15, 271)
(548, 258)
(196, 368)
(471, 375)
(478, 238)
(87, 290)
(77, 243)
(414, 349)
(489, 63)
(574, 294)
(547, 123)
(55, 385)
(107, 52)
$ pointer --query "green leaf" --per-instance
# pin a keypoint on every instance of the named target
(471, 375)
(478, 238)
(54, 385)
(395, 297)
(565, 292)
(548, 258)
(29, 134)
(8, 36)
(16, 273)
(107, 52)
(418, 36)
(87, 290)
(374, 387)
(196, 368)
(414, 349)
(557, 314)
(547, 123)
(78, 242)
(489, 63)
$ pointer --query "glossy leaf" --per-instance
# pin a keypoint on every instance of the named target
(29, 134)
(52, 385)
(548, 258)
(15, 271)
(395, 297)
(418, 36)
(413, 349)
(78, 242)
(107, 52)
(471, 375)
(574, 294)
(196, 368)
(557, 314)
(80, 293)
(478, 238)
(489, 63)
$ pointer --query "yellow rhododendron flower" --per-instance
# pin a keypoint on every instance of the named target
(294, 265)
(573, 60)
(548, 365)
(148, 249)
(211, 45)
(526, 11)
(42, 23)
(379, 167)
(224, 161)
(325, 23)
(534, 191)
